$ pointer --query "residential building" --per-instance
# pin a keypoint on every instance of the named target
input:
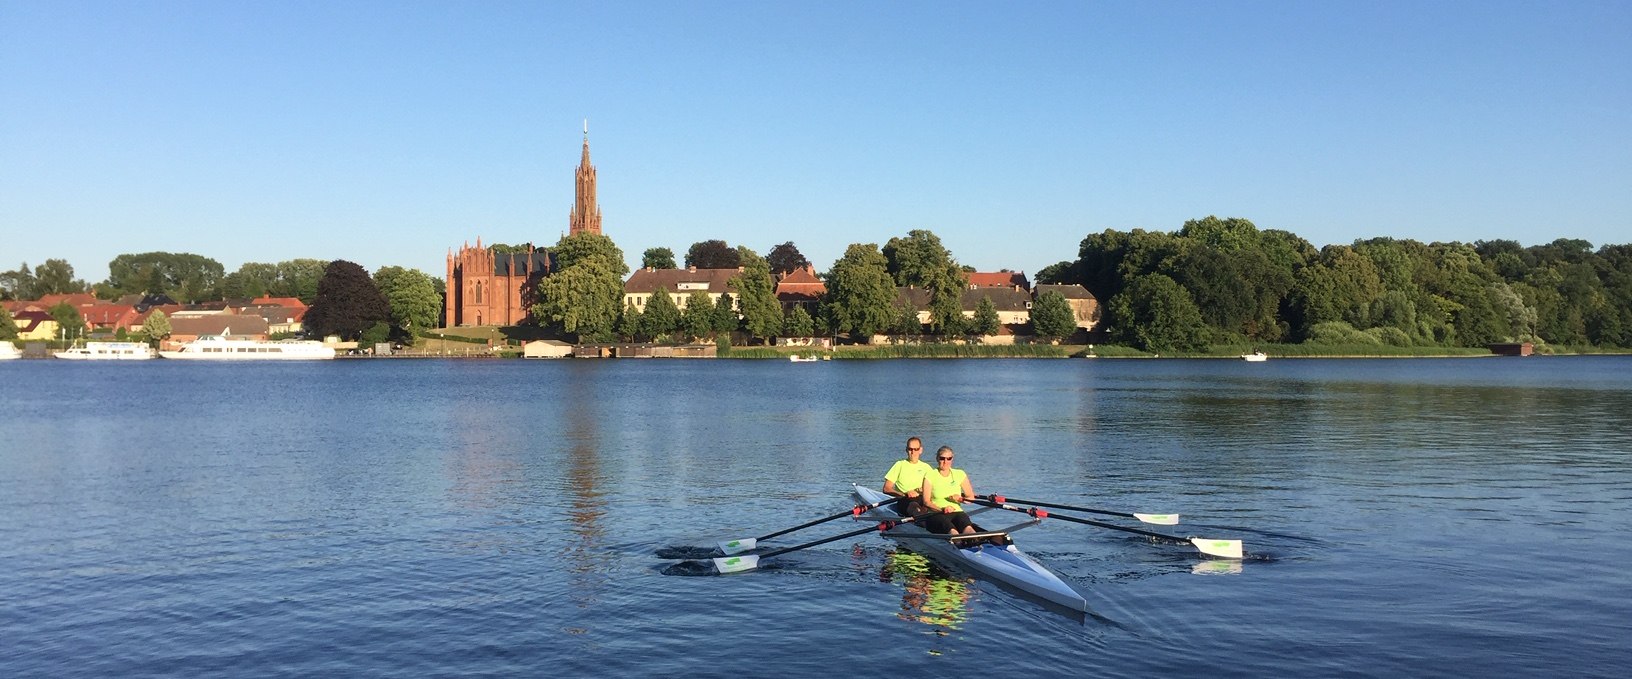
(680, 283)
(800, 288)
(1083, 303)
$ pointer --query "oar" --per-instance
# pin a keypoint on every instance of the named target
(1229, 549)
(748, 562)
(739, 546)
(1157, 519)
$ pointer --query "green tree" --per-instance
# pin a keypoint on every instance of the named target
(860, 295)
(661, 316)
(70, 324)
(582, 299)
(56, 277)
(1156, 314)
(1058, 273)
(18, 284)
(157, 325)
(298, 278)
(1051, 316)
(374, 334)
(761, 313)
(8, 325)
(903, 321)
(415, 302)
(629, 324)
(253, 279)
(798, 323)
(917, 259)
(725, 314)
(657, 258)
(785, 258)
(1227, 235)
(697, 319)
(571, 250)
(712, 254)
(347, 303)
(986, 321)
(181, 275)
(503, 249)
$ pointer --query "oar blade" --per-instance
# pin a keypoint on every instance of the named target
(738, 546)
(1158, 519)
(736, 564)
(1229, 549)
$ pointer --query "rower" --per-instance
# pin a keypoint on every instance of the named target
(943, 489)
(906, 479)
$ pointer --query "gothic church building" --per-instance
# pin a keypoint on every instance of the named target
(487, 288)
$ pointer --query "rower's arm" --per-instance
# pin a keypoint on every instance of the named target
(927, 494)
(890, 489)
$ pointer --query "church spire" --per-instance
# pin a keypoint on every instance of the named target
(586, 211)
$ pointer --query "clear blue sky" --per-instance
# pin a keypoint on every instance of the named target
(388, 132)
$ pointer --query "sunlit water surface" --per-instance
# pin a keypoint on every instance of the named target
(1463, 517)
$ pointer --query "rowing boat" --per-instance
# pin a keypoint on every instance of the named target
(1004, 565)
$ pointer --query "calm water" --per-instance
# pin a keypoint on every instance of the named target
(415, 518)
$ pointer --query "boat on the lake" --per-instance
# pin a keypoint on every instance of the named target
(9, 351)
(802, 359)
(224, 347)
(108, 351)
(1005, 565)
(1255, 357)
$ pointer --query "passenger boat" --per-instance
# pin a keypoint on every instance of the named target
(108, 351)
(1004, 565)
(9, 351)
(801, 359)
(1255, 357)
(224, 348)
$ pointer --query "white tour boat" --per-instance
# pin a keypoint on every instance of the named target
(224, 348)
(9, 350)
(1255, 357)
(108, 351)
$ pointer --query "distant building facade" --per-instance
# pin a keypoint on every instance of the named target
(488, 288)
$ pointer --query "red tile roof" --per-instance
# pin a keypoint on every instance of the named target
(291, 302)
(1001, 279)
(800, 285)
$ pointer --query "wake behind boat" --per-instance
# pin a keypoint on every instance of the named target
(224, 348)
(108, 351)
(1005, 565)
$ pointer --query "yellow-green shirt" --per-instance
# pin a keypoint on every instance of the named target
(908, 477)
(943, 487)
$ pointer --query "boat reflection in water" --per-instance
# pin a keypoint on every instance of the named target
(928, 595)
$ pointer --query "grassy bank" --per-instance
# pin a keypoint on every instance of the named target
(858, 352)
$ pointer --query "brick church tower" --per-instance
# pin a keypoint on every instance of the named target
(586, 212)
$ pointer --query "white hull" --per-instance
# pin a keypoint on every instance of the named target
(9, 351)
(108, 351)
(223, 349)
(1010, 567)
(1256, 357)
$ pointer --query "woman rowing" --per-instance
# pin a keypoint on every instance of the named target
(905, 479)
(943, 489)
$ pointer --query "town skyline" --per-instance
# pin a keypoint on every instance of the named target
(387, 137)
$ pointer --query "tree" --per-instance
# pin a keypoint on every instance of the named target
(347, 303)
(69, 322)
(1051, 316)
(785, 258)
(629, 323)
(181, 275)
(1228, 235)
(712, 254)
(56, 277)
(1058, 273)
(253, 279)
(571, 250)
(860, 295)
(582, 299)
(761, 313)
(798, 323)
(986, 321)
(415, 302)
(8, 325)
(298, 278)
(374, 334)
(725, 314)
(904, 320)
(502, 249)
(917, 258)
(661, 316)
(157, 325)
(18, 284)
(657, 258)
(697, 319)
(1156, 314)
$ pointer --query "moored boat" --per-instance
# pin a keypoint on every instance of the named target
(9, 350)
(1005, 565)
(108, 351)
(1255, 357)
(801, 359)
(225, 348)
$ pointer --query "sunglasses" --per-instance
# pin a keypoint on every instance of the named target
(944, 459)
(915, 450)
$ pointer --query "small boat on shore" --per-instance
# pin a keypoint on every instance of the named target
(1004, 565)
(224, 348)
(108, 351)
(9, 351)
(1255, 357)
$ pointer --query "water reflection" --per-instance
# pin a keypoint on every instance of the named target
(928, 595)
(590, 561)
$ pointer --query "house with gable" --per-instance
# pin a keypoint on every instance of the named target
(800, 288)
(680, 283)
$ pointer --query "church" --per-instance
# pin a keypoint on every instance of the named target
(488, 288)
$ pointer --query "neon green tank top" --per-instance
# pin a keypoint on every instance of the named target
(943, 487)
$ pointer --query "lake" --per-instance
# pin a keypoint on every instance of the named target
(1416, 517)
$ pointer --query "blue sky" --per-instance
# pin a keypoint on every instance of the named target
(388, 132)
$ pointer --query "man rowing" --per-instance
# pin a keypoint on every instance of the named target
(906, 479)
(943, 489)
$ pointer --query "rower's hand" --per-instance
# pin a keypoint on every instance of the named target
(946, 510)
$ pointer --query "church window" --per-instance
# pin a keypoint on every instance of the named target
(478, 292)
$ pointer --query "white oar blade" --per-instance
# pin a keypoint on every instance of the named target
(738, 546)
(1229, 549)
(1158, 519)
(736, 564)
